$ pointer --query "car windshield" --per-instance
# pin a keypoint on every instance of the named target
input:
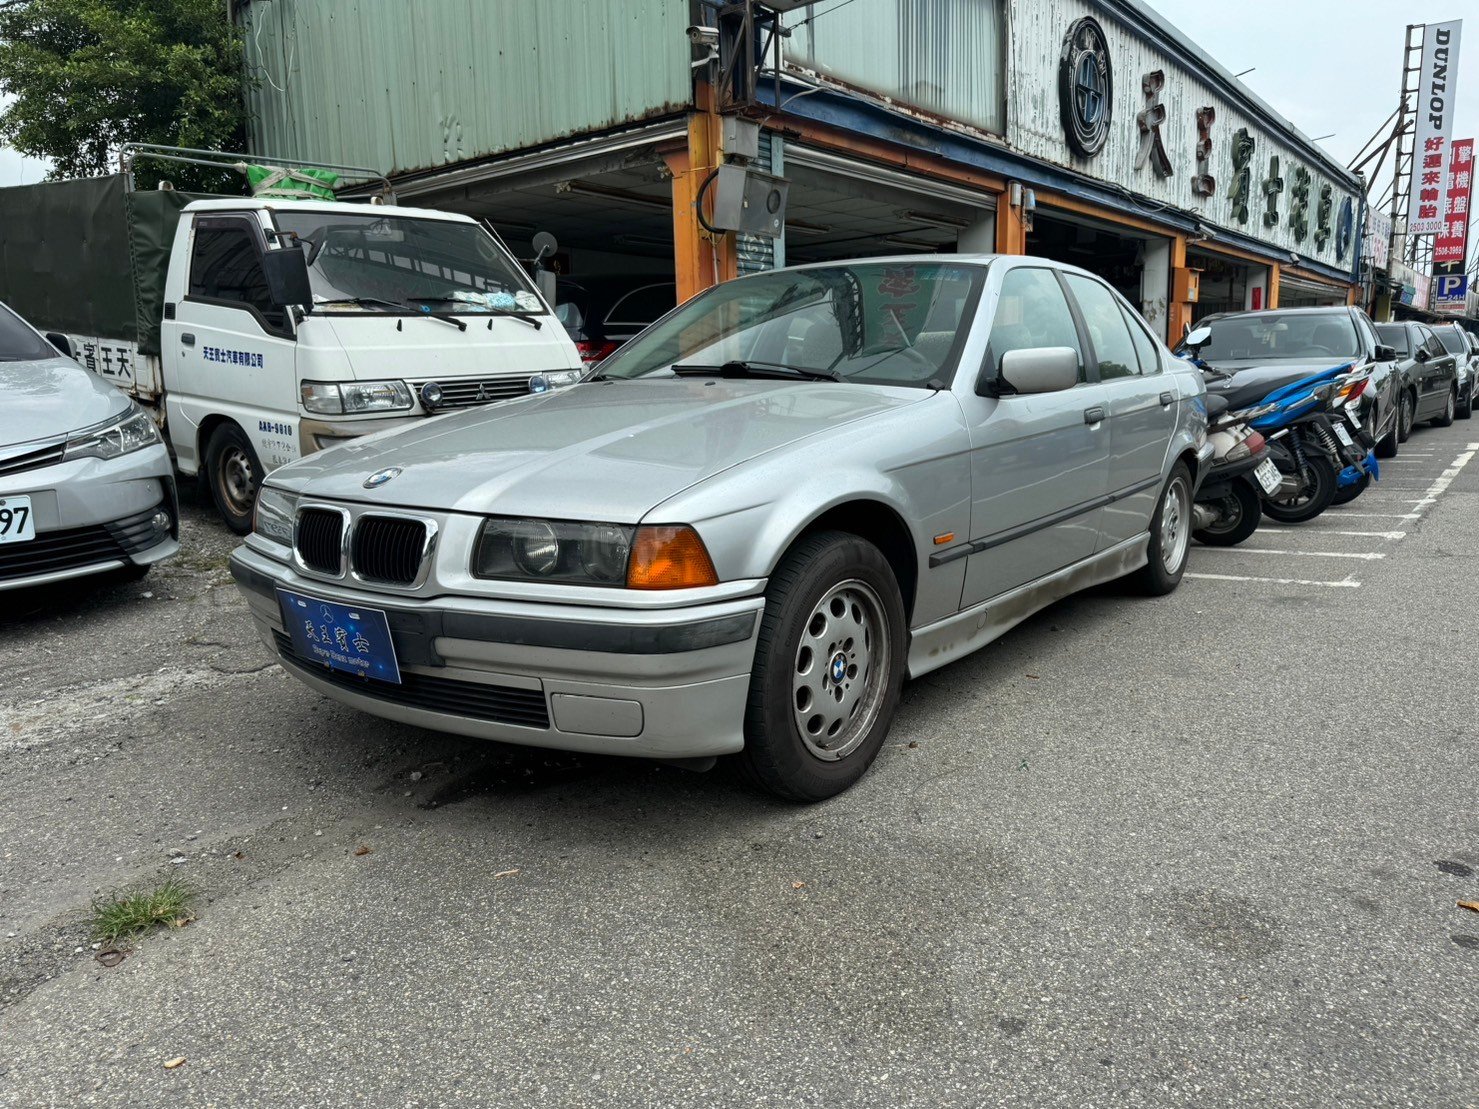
(1452, 341)
(18, 343)
(884, 323)
(1274, 336)
(385, 263)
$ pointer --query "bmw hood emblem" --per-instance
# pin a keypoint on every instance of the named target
(380, 477)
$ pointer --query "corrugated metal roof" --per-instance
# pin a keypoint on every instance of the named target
(416, 84)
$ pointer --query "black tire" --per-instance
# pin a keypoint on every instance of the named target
(1346, 494)
(133, 572)
(1242, 509)
(1390, 443)
(1320, 492)
(1170, 536)
(233, 475)
(1466, 405)
(1406, 414)
(783, 753)
(1450, 406)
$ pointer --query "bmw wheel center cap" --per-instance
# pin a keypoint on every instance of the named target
(839, 668)
(380, 477)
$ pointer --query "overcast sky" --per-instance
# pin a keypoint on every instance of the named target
(1326, 65)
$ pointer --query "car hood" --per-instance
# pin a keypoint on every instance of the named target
(609, 451)
(50, 397)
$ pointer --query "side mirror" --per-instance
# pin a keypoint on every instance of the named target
(545, 245)
(286, 271)
(1422, 354)
(1040, 369)
(1385, 353)
(62, 343)
(1197, 337)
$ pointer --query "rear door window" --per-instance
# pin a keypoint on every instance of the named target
(1394, 335)
(1108, 330)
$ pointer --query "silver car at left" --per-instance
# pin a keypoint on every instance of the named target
(86, 485)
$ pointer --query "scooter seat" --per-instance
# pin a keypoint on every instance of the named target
(1216, 406)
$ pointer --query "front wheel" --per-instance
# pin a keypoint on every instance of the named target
(1312, 497)
(829, 666)
(233, 474)
(1406, 411)
(1388, 445)
(1346, 494)
(1170, 536)
(1239, 510)
(1466, 406)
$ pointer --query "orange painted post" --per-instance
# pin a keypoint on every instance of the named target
(1274, 273)
(1011, 231)
(700, 259)
(1178, 311)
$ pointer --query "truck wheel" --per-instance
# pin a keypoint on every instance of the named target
(233, 474)
(829, 665)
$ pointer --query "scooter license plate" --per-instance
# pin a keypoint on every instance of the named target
(1343, 435)
(1268, 475)
(1354, 416)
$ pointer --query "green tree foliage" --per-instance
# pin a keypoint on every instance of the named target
(90, 75)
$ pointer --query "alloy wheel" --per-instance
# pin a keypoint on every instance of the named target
(1175, 524)
(841, 667)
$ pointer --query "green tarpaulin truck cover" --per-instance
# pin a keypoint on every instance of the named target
(89, 257)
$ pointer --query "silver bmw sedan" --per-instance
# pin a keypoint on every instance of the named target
(86, 484)
(742, 532)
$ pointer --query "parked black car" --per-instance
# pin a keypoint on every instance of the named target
(1429, 374)
(1281, 345)
(602, 313)
(1459, 343)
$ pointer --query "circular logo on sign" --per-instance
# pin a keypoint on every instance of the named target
(1345, 229)
(380, 477)
(1085, 87)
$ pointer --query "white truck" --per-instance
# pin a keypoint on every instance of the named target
(260, 330)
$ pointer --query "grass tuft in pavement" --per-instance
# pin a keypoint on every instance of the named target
(129, 912)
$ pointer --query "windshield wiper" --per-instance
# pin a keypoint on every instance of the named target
(745, 368)
(360, 301)
(481, 310)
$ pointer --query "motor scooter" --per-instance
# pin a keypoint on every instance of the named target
(1230, 498)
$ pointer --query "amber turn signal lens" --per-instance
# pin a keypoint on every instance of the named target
(669, 557)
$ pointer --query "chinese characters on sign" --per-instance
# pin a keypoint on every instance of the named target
(1435, 99)
(1451, 244)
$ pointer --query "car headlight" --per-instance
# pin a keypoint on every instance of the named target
(333, 398)
(554, 379)
(132, 431)
(276, 511)
(647, 557)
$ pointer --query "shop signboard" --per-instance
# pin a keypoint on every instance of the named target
(1450, 247)
(1378, 241)
(1436, 95)
(1450, 292)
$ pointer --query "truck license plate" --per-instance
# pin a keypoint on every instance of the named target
(1268, 475)
(17, 524)
(350, 638)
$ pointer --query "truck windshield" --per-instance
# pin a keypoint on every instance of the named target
(1273, 336)
(885, 323)
(384, 263)
(18, 343)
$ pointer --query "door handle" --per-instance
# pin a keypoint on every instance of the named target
(1094, 415)
(188, 338)
(1167, 399)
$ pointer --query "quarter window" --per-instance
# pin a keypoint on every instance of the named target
(225, 268)
(1031, 312)
(1107, 329)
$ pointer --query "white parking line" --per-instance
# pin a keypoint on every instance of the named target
(1446, 478)
(1381, 515)
(1345, 583)
(1392, 535)
(1362, 556)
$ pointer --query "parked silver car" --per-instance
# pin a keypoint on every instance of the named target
(86, 484)
(745, 530)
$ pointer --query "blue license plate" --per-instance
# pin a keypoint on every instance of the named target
(345, 637)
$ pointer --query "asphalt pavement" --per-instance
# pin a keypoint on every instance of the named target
(1198, 850)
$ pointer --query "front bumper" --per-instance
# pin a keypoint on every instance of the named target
(92, 515)
(659, 684)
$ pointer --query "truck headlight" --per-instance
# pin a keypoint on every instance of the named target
(335, 398)
(132, 431)
(554, 379)
(276, 511)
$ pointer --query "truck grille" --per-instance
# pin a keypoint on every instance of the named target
(31, 459)
(320, 540)
(497, 703)
(388, 548)
(466, 394)
(71, 548)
